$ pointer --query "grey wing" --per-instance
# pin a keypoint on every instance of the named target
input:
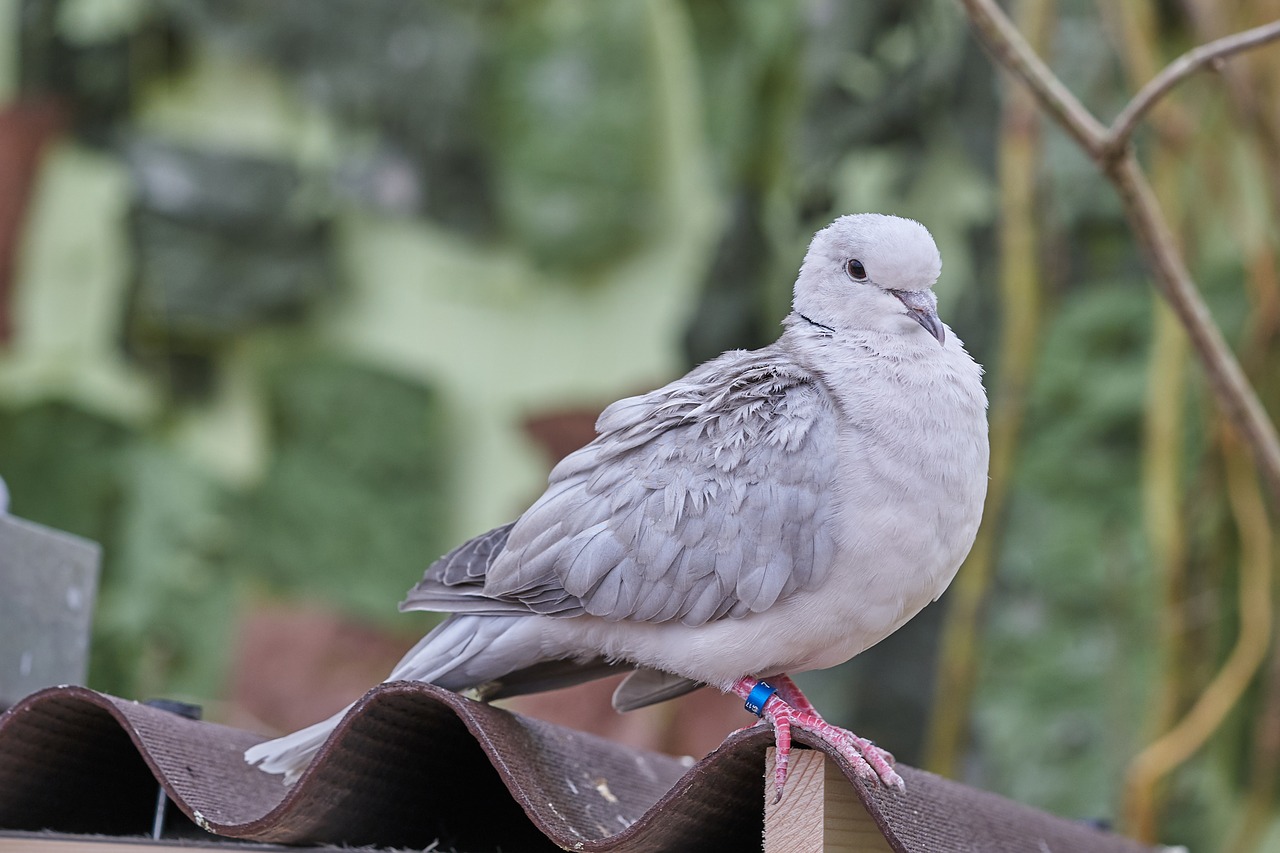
(455, 582)
(704, 500)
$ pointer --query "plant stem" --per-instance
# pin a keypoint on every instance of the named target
(1234, 395)
(1019, 157)
(1174, 73)
(1228, 685)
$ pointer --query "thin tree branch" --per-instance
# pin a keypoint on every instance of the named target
(1164, 437)
(1012, 51)
(1231, 390)
(1247, 655)
(1234, 395)
(1018, 158)
(1117, 137)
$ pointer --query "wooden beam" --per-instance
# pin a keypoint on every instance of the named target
(819, 811)
(52, 842)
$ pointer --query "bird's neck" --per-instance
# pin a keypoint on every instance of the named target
(857, 362)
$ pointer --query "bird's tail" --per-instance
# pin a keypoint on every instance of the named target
(463, 651)
(291, 754)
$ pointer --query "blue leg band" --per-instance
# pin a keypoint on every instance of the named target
(759, 695)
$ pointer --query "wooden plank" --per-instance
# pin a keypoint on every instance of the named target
(819, 811)
(53, 842)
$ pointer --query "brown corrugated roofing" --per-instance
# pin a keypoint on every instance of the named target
(412, 763)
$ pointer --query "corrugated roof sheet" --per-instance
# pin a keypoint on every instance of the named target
(412, 763)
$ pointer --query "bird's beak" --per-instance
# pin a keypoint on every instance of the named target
(922, 306)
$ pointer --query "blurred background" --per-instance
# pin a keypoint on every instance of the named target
(294, 296)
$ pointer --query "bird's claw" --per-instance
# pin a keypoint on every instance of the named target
(869, 761)
(781, 704)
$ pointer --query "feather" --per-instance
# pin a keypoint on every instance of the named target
(647, 686)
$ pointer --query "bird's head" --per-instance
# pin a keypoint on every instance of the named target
(871, 272)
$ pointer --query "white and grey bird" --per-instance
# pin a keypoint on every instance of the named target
(773, 511)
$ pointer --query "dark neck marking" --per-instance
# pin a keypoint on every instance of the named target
(826, 329)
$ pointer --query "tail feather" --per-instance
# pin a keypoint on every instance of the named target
(462, 652)
(291, 754)
(650, 686)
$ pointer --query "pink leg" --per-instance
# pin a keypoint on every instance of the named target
(790, 693)
(869, 762)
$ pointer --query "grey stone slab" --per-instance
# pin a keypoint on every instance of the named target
(48, 585)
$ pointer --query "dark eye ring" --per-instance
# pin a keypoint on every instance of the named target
(856, 270)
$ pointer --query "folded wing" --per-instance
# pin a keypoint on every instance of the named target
(700, 501)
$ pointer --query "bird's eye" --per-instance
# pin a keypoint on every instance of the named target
(856, 270)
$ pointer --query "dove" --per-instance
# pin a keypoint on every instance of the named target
(773, 511)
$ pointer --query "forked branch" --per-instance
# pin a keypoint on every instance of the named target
(1110, 152)
(1175, 72)
(1104, 144)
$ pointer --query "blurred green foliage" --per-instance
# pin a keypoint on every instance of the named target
(344, 497)
(222, 244)
(1072, 615)
(572, 87)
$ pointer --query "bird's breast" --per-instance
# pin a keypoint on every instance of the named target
(908, 495)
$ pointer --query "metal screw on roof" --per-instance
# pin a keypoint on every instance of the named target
(182, 709)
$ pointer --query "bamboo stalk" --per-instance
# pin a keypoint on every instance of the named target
(1183, 740)
(1264, 775)
(1019, 156)
(1163, 437)
(1162, 453)
(1250, 93)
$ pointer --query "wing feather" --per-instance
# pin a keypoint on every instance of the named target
(704, 500)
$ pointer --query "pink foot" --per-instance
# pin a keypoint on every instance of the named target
(790, 693)
(785, 708)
